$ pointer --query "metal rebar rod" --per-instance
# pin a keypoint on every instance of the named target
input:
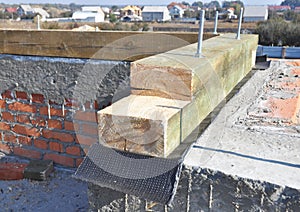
(200, 34)
(238, 36)
(38, 22)
(216, 22)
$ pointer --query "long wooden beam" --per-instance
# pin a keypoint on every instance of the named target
(108, 45)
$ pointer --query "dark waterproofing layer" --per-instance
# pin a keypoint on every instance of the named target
(149, 178)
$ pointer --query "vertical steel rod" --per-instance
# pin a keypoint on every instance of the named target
(38, 22)
(200, 34)
(216, 23)
(238, 36)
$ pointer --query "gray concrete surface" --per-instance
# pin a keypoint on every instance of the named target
(254, 152)
(60, 192)
(63, 78)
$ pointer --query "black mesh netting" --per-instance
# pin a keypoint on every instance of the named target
(146, 177)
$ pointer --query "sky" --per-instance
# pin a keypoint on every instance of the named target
(136, 2)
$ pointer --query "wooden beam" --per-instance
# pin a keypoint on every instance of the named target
(108, 45)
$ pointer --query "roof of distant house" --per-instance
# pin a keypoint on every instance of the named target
(177, 4)
(277, 7)
(131, 7)
(11, 9)
(255, 11)
(96, 9)
(26, 7)
(155, 9)
(42, 12)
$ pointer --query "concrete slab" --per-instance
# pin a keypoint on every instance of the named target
(238, 145)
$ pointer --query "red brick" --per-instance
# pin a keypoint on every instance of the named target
(28, 153)
(53, 112)
(41, 144)
(37, 98)
(7, 95)
(65, 137)
(96, 105)
(26, 130)
(60, 159)
(5, 148)
(54, 124)
(72, 103)
(73, 150)
(86, 116)
(85, 140)
(12, 171)
(7, 116)
(21, 95)
(57, 147)
(17, 106)
(38, 121)
(2, 104)
(25, 140)
(4, 126)
(23, 119)
(78, 161)
(87, 105)
(90, 129)
(9, 137)
(71, 126)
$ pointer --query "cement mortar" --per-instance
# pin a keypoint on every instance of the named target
(62, 78)
(205, 190)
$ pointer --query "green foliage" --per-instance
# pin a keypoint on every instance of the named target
(237, 5)
(212, 4)
(66, 14)
(291, 3)
(277, 31)
(50, 25)
(191, 14)
(197, 4)
(185, 3)
(114, 8)
(112, 18)
(289, 15)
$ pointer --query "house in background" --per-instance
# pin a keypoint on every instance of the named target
(255, 13)
(131, 13)
(131, 10)
(184, 7)
(89, 14)
(43, 13)
(25, 9)
(176, 12)
(156, 13)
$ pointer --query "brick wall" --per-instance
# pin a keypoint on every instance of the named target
(33, 127)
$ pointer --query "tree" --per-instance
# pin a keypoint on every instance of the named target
(214, 4)
(112, 18)
(291, 3)
(114, 8)
(289, 15)
(198, 4)
(185, 3)
(278, 31)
